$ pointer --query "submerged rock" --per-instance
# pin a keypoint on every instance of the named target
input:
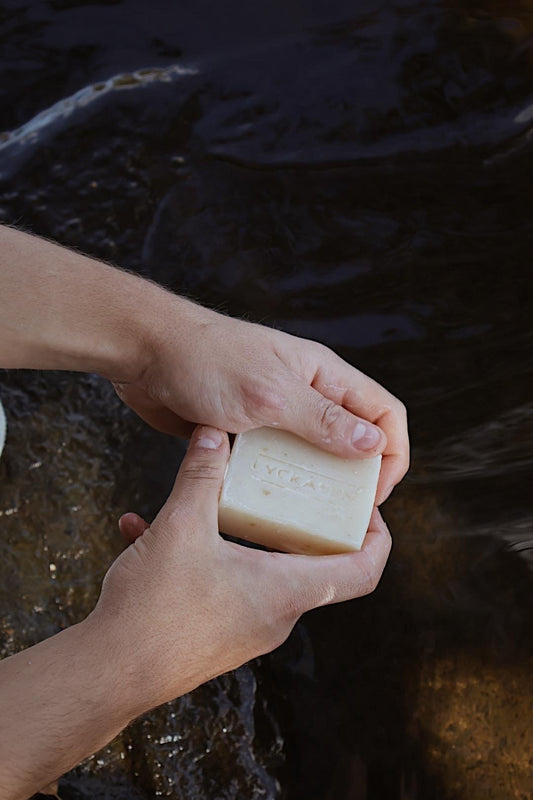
(65, 478)
(366, 183)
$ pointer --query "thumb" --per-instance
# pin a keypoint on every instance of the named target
(199, 480)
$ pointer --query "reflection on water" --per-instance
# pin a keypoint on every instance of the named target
(357, 176)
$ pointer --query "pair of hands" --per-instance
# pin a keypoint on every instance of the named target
(180, 604)
(193, 604)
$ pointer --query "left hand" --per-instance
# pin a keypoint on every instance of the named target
(182, 604)
(210, 369)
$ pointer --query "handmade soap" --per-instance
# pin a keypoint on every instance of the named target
(283, 492)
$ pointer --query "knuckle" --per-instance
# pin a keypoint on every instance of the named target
(330, 415)
(402, 411)
(370, 579)
(262, 400)
(291, 600)
(307, 597)
(289, 608)
(399, 410)
(368, 584)
(321, 350)
(387, 545)
(277, 634)
(208, 473)
(169, 520)
(393, 408)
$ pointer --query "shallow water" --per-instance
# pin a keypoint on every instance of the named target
(357, 175)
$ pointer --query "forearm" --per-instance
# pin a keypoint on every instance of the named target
(62, 310)
(60, 701)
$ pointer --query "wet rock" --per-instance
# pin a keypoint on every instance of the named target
(65, 477)
(417, 269)
(474, 713)
(204, 745)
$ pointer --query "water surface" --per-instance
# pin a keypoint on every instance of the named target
(356, 174)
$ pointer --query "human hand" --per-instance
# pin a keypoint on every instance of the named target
(178, 364)
(182, 605)
(179, 606)
(206, 368)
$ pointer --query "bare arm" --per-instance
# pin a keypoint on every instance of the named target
(62, 310)
(179, 606)
(59, 701)
(178, 364)
(157, 630)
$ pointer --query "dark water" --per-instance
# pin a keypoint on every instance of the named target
(359, 173)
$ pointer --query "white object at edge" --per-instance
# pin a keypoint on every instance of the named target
(2, 428)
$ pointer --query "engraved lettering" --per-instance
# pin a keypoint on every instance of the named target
(296, 478)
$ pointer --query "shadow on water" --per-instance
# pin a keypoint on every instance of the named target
(362, 178)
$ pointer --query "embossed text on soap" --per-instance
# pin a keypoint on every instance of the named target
(287, 475)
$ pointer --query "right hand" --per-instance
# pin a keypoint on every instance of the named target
(203, 368)
(182, 605)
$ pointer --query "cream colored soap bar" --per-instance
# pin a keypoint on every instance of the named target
(283, 492)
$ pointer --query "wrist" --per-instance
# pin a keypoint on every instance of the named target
(117, 683)
(128, 330)
(165, 333)
(131, 321)
(152, 665)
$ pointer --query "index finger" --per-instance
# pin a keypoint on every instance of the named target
(322, 580)
(364, 397)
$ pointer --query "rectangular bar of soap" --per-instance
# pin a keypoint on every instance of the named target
(284, 493)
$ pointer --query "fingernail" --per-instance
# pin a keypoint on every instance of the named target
(365, 437)
(209, 438)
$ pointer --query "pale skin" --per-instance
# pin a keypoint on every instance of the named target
(157, 630)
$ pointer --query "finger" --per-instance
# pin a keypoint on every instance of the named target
(199, 480)
(165, 421)
(328, 425)
(364, 397)
(132, 526)
(153, 412)
(321, 580)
